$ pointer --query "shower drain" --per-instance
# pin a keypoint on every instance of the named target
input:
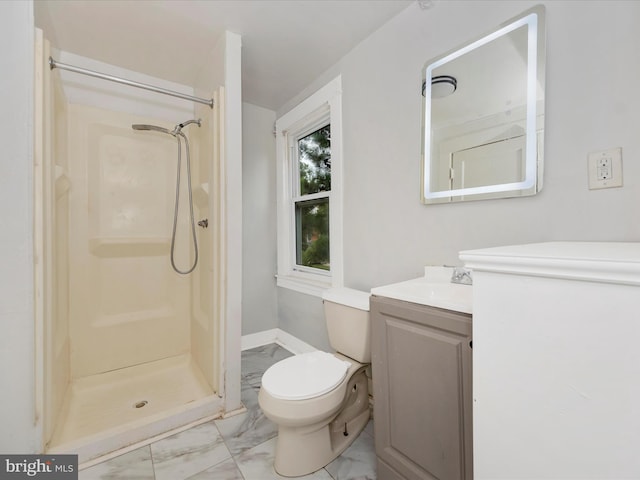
(140, 404)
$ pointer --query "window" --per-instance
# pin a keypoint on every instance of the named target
(311, 204)
(309, 155)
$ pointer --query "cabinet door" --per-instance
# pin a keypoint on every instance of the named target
(421, 390)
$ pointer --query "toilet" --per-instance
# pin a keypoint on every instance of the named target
(319, 400)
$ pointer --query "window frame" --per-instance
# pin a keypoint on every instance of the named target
(321, 108)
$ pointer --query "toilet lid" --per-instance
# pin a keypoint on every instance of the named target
(304, 376)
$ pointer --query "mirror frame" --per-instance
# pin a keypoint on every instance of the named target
(532, 183)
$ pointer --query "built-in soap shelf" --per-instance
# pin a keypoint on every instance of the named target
(201, 195)
(129, 247)
(62, 183)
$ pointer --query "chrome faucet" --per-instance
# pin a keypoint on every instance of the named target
(462, 276)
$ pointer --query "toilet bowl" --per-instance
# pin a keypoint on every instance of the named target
(319, 400)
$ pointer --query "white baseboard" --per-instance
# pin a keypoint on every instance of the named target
(275, 335)
(258, 339)
(293, 344)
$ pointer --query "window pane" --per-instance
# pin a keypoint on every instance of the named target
(312, 233)
(314, 160)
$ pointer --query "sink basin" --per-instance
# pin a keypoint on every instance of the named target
(422, 290)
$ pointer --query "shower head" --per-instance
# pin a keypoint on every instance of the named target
(139, 126)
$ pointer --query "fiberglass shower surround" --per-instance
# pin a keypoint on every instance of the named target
(177, 133)
(132, 349)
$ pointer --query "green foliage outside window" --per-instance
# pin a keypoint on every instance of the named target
(312, 216)
(314, 154)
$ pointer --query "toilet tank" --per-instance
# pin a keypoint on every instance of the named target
(347, 315)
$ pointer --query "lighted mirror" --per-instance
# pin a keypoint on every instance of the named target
(483, 121)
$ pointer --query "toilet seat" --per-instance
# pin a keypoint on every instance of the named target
(304, 376)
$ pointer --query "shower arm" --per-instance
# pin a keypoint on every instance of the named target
(63, 66)
(178, 129)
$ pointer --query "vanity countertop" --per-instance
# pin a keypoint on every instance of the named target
(434, 289)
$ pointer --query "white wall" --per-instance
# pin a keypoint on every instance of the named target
(264, 306)
(303, 317)
(592, 103)
(17, 402)
(232, 177)
(259, 300)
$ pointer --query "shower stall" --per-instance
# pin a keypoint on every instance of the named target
(134, 303)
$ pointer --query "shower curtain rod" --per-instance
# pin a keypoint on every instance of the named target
(63, 66)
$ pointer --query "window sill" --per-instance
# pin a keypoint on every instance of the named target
(308, 286)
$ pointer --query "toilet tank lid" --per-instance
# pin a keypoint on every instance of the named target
(347, 296)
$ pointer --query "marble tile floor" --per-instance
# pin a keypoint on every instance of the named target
(236, 448)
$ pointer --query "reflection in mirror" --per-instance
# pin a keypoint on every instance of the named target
(484, 116)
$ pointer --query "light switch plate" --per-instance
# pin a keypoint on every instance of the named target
(605, 168)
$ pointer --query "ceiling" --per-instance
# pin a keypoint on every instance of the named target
(286, 44)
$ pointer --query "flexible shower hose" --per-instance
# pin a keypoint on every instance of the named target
(177, 203)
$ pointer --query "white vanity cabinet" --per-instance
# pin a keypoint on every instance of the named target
(421, 361)
(556, 363)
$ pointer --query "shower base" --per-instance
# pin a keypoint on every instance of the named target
(112, 410)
